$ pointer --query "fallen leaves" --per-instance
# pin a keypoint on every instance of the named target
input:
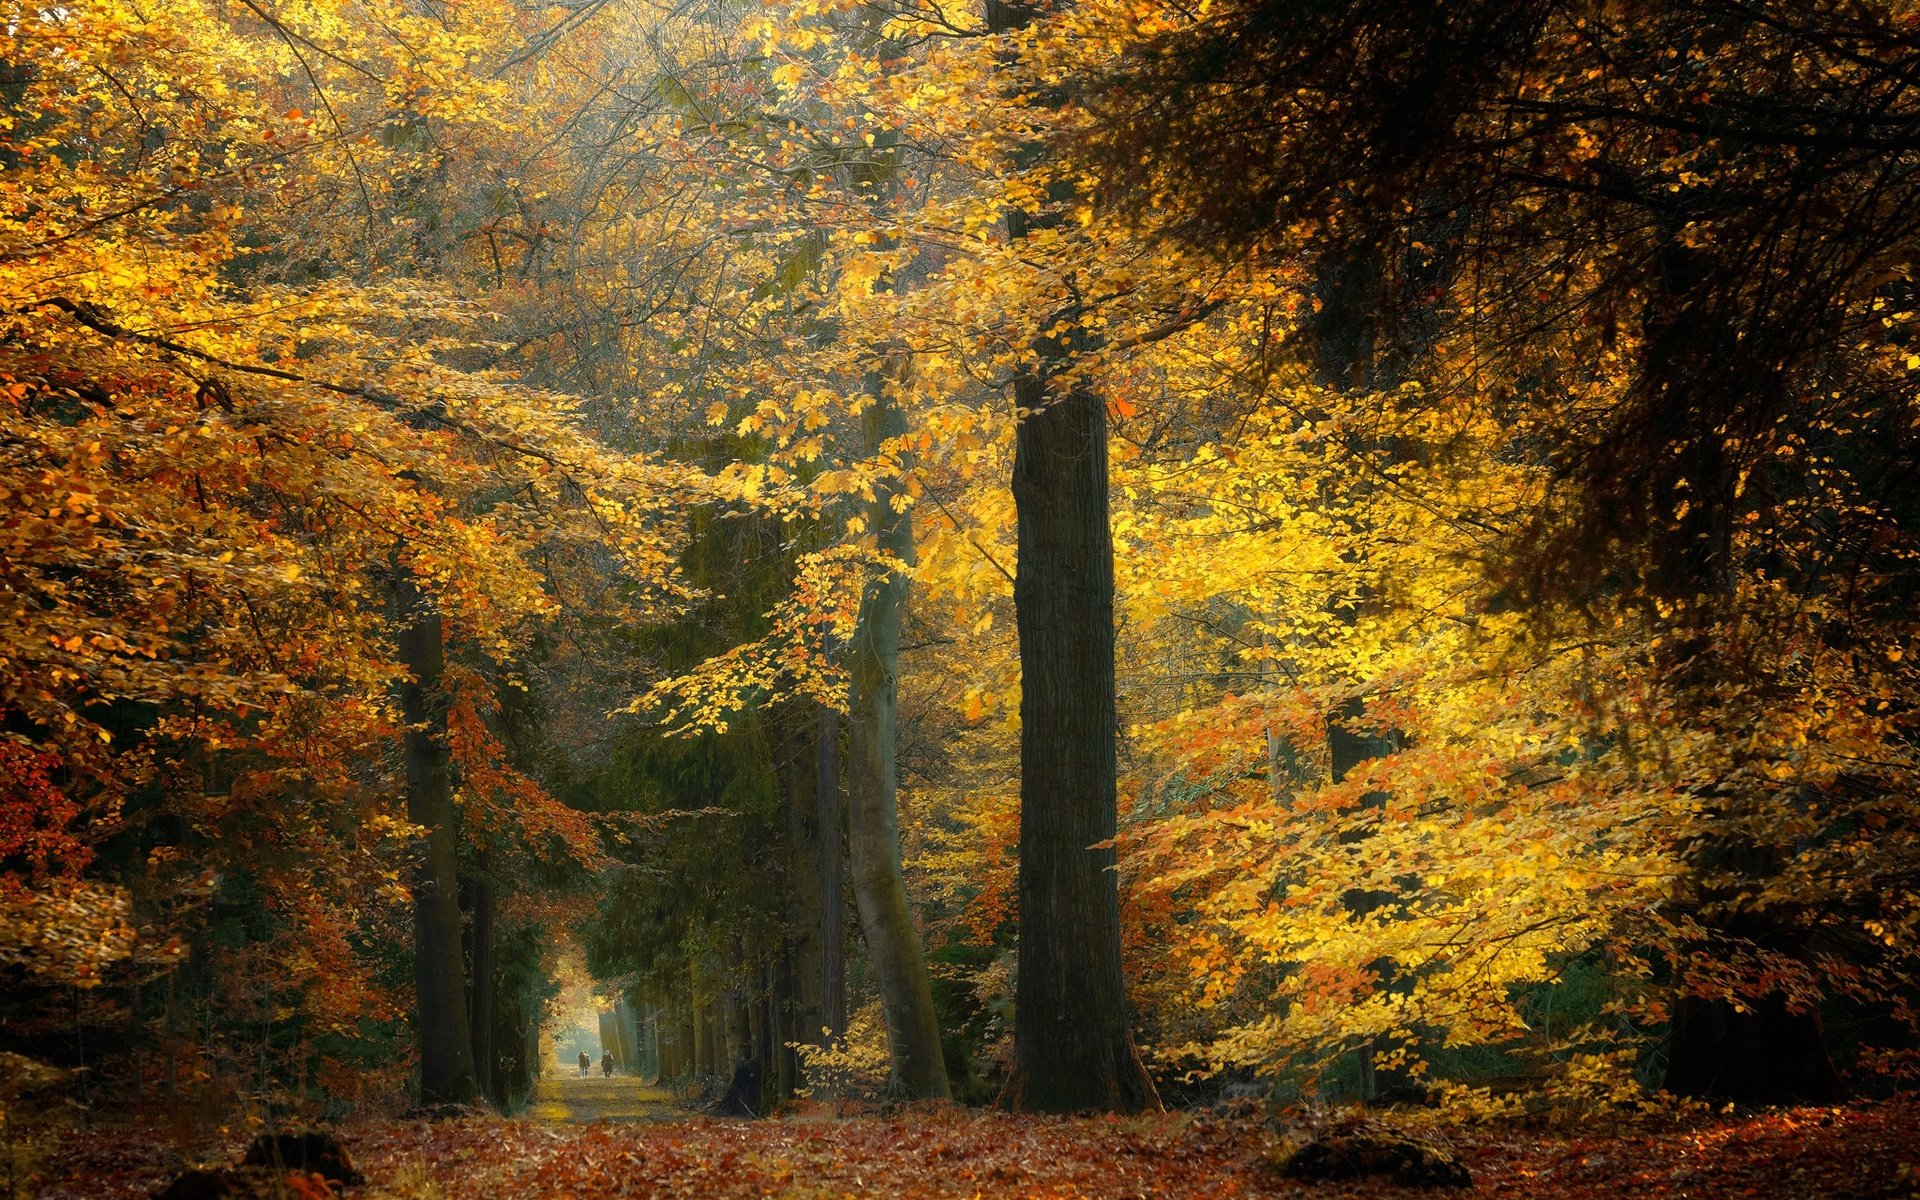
(1863, 1153)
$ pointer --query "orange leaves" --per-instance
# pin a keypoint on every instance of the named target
(498, 802)
(1860, 1150)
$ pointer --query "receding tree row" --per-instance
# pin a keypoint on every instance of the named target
(1362, 548)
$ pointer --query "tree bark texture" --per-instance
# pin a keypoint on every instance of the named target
(1073, 1044)
(446, 1043)
(880, 892)
(1072, 1036)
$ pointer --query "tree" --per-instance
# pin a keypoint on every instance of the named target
(247, 425)
(893, 943)
(1073, 1042)
(1713, 385)
(447, 1071)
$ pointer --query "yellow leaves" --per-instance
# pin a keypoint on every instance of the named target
(860, 272)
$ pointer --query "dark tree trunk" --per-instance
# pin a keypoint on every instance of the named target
(483, 987)
(1072, 1037)
(700, 1048)
(1764, 1055)
(1763, 1052)
(831, 821)
(1767, 1053)
(813, 868)
(879, 890)
(1073, 1044)
(734, 1010)
(440, 1014)
(786, 1074)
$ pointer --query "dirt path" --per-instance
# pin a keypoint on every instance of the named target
(581, 1101)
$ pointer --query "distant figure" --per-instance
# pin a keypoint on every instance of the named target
(586, 1064)
(606, 1064)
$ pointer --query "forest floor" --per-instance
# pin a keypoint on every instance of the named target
(1862, 1152)
(584, 1099)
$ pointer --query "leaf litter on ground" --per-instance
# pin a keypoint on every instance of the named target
(1857, 1152)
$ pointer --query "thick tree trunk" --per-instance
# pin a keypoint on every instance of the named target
(1764, 1052)
(609, 1025)
(1073, 1045)
(1072, 1038)
(879, 890)
(440, 1014)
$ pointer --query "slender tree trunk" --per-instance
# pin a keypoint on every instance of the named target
(440, 1015)
(483, 991)
(807, 851)
(685, 1061)
(786, 1073)
(831, 822)
(879, 890)
(700, 1048)
(759, 1033)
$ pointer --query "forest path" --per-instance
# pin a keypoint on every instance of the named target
(578, 1100)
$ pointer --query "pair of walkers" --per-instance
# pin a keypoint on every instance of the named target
(606, 1064)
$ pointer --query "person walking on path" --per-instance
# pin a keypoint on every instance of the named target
(606, 1064)
(586, 1064)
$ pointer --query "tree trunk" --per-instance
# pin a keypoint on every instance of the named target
(759, 1032)
(880, 892)
(1073, 1046)
(734, 1011)
(1072, 1038)
(807, 851)
(831, 823)
(786, 1072)
(440, 1014)
(699, 1048)
(483, 988)
(1766, 1054)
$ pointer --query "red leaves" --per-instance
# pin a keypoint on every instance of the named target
(1865, 1153)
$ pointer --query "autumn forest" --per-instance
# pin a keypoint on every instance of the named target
(1070, 598)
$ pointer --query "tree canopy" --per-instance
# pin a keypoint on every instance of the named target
(1066, 555)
